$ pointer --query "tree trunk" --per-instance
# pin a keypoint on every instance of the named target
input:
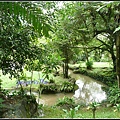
(65, 68)
(118, 58)
(86, 54)
(31, 82)
(114, 60)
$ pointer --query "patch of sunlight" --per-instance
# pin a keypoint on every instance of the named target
(102, 64)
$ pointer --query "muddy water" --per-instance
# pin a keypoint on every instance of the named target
(51, 99)
(89, 90)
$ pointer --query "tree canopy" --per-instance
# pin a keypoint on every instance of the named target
(90, 26)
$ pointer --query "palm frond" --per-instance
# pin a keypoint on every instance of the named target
(30, 12)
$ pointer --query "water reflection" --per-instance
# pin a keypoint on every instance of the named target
(88, 91)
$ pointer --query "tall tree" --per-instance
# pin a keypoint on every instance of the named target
(62, 37)
(21, 24)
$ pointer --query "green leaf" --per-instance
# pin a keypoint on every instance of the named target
(116, 30)
(106, 4)
(83, 30)
(11, 7)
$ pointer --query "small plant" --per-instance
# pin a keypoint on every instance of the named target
(89, 64)
(5, 92)
(1, 103)
(14, 93)
(93, 106)
(67, 87)
(117, 108)
(72, 112)
(66, 102)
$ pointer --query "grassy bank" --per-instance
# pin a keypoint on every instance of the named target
(101, 112)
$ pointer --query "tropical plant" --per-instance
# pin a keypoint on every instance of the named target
(29, 13)
(89, 64)
(17, 41)
(1, 100)
(117, 107)
(113, 95)
(93, 106)
(21, 25)
(72, 112)
(66, 102)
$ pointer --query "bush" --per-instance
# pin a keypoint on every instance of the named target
(108, 78)
(66, 102)
(67, 87)
(113, 95)
(89, 64)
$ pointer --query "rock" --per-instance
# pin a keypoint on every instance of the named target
(24, 107)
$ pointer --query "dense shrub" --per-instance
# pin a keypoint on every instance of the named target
(89, 64)
(108, 78)
(113, 95)
(65, 102)
(67, 87)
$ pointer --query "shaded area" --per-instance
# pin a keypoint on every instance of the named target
(19, 107)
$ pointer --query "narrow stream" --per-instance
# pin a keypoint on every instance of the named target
(89, 90)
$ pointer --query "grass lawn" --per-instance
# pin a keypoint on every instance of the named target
(101, 112)
(95, 64)
(7, 83)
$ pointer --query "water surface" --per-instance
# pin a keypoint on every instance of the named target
(89, 90)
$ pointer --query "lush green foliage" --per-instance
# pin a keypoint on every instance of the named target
(81, 113)
(113, 95)
(88, 26)
(16, 45)
(20, 46)
(72, 112)
(93, 106)
(67, 86)
(106, 77)
(66, 102)
(30, 13)
(93, 27)
(89, 64)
